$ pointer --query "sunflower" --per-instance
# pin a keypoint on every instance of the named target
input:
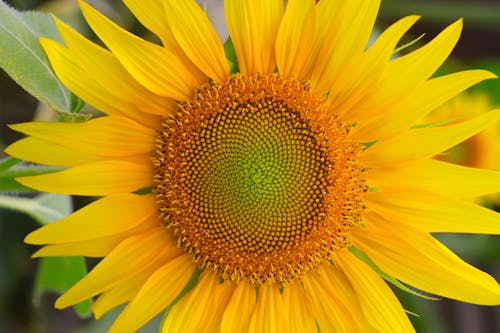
(267, 194)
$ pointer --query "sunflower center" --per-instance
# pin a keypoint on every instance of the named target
(256, 180)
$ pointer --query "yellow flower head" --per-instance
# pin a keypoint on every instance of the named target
(249, 198)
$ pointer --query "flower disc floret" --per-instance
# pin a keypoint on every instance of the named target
(256, 181)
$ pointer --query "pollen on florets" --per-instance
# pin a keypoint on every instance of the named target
(257, 180)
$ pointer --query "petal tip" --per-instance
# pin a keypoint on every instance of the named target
(14, 127)
(49, 46)
(458, 24)
(37, 254)
(36, 237)
(30, 239)
(60, 303)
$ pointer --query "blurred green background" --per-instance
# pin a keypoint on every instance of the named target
(479, 47)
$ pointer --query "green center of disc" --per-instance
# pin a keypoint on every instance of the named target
(242, 178)
(253, 168)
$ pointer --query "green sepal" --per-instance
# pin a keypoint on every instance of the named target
(231, 56)
(375, 189)
(367, 145)
(146, 190)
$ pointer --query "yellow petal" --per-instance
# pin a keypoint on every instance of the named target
(417, 105)
(218, 303)
(423, 62)
(331, 19)
(158, 292)
(202, 308)
(360, 74)
(269, 314)
(439, 177)
(154, 67)
(99, 247)
(95, 247)
(104, 217)
(419, 260)
(294, 42)
(253, 26)
(121, 293)
(431, 212)
(405, 73)
(197, 38)
(43, 152)
(87, 86)
(420, 143)
(239, 310)
(151, 14)
(344, 28)
(105, 68)
(97, 179)
(300, 316)
(379, 304)
(105, 136)
(328, 306)
(339, 283)
(133, 255)
(382, 49)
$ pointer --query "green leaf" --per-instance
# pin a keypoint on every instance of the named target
(59, 274)
(8, 176)
(8, 162)
(44, 208)
(22, 57)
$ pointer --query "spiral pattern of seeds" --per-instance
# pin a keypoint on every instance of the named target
(256, 181)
